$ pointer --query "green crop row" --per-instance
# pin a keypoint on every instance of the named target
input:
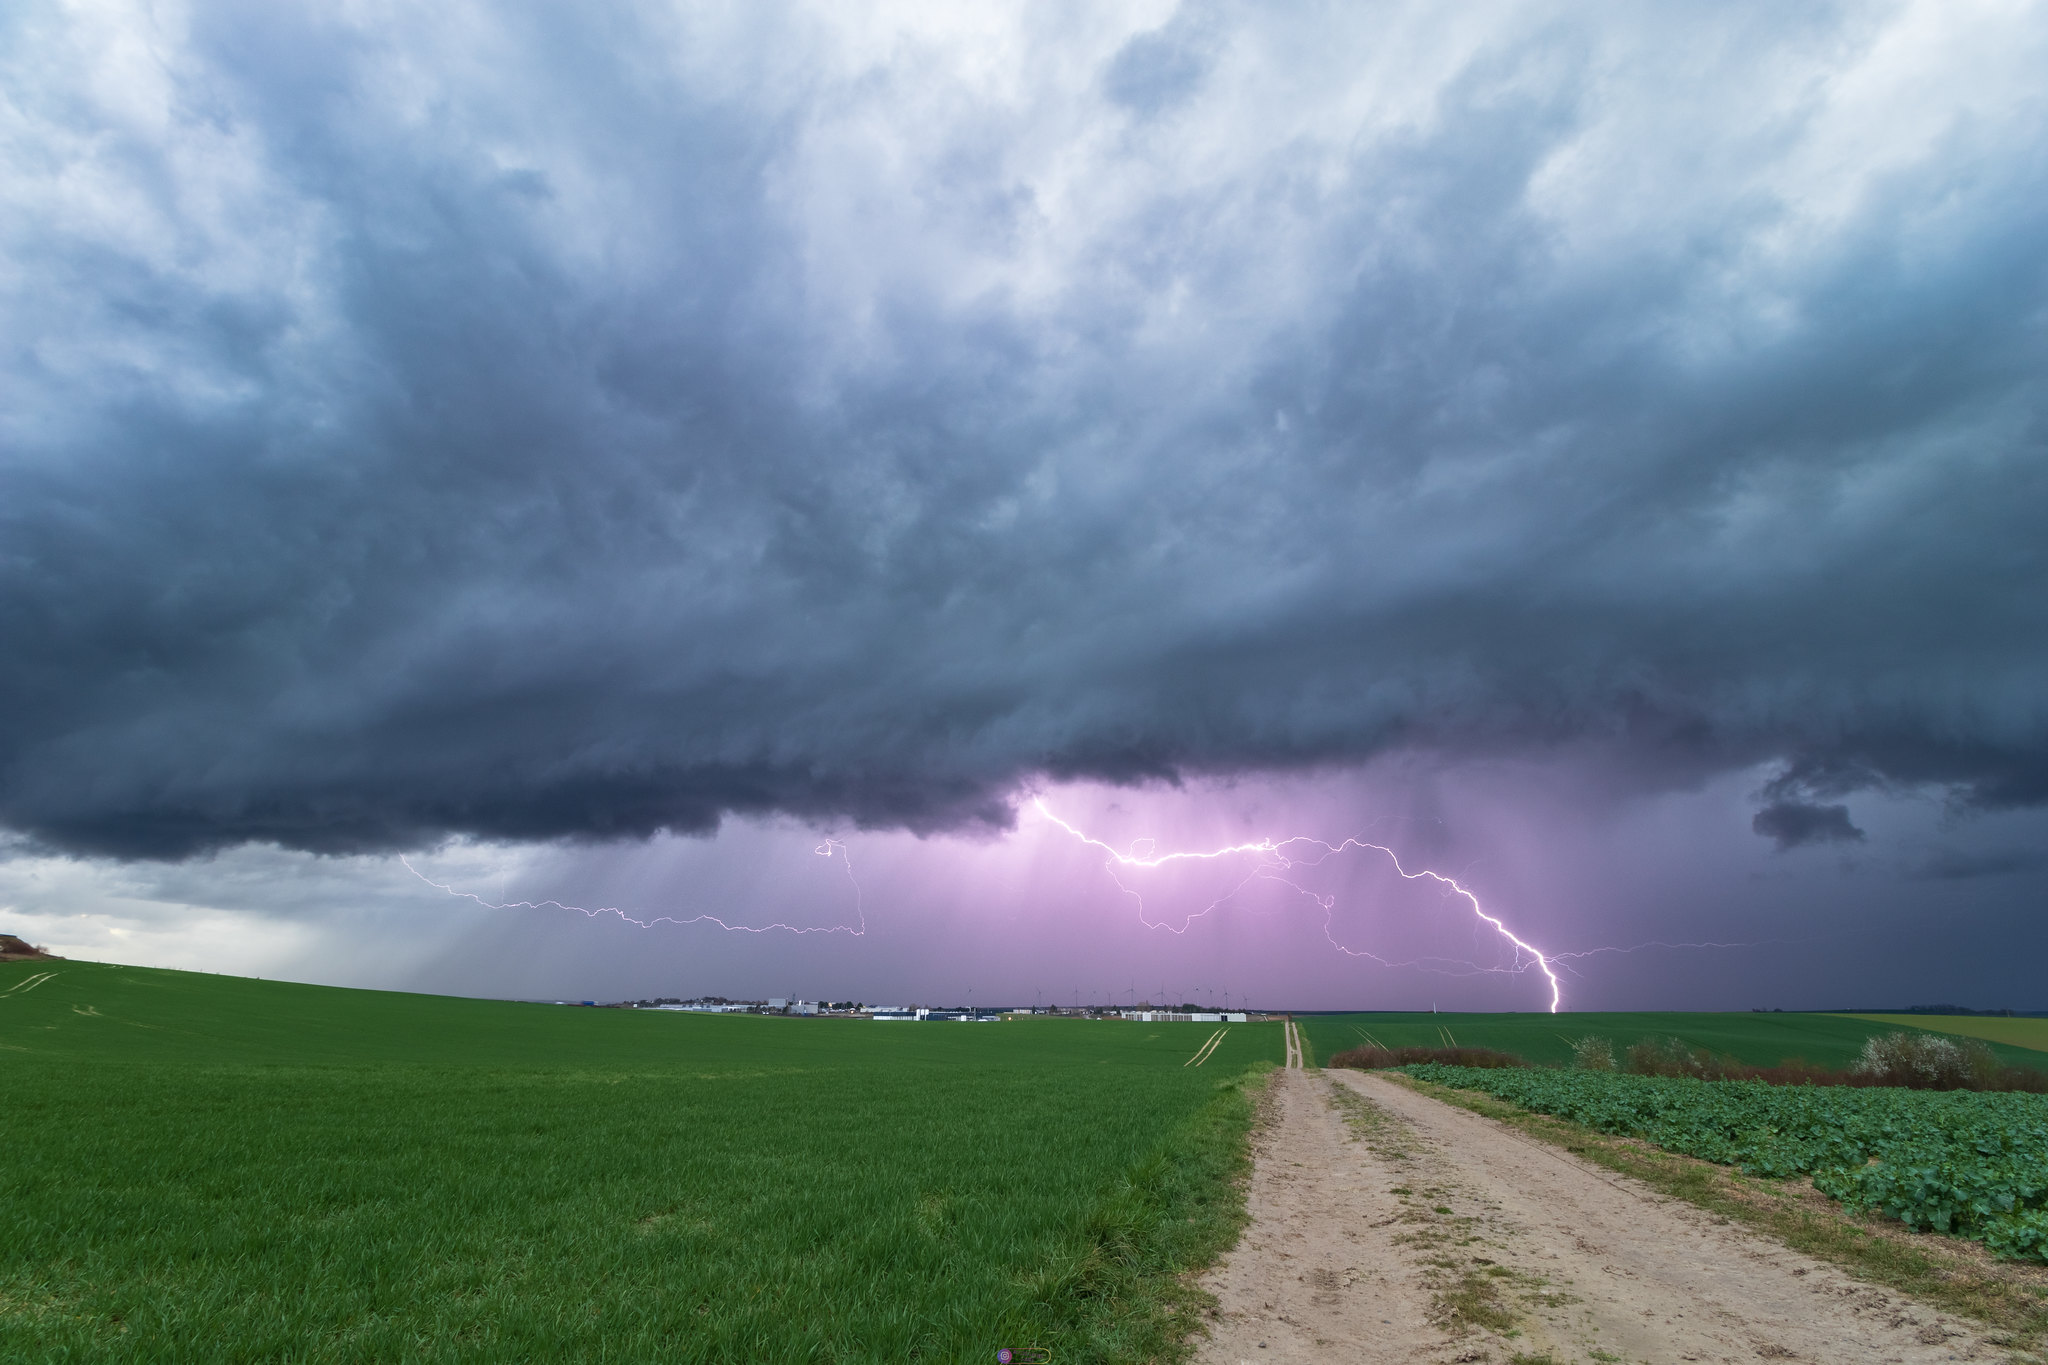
(1969, 1164)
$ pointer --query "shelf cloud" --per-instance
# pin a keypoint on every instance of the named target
(533, 423)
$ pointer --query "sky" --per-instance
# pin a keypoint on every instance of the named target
(884, 477)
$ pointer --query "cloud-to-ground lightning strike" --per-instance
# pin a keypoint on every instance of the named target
(1274, 859)
(830, 848)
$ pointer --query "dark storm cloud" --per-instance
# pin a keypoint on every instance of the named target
(521, 423)
(1791, 824)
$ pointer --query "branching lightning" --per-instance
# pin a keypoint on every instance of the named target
(1270, 860)
(830, 848)
(1273, 858)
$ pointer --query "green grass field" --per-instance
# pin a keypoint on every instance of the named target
(2031, 1034)
(216, 1169)
(1830, 1040)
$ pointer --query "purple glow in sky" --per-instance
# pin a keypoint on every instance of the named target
(1596, 878)
(1294, 861)
(1600, 879)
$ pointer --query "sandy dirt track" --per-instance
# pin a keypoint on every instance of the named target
(1387, 1226)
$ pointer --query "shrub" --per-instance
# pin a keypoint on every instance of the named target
(1923, 1061)
(1914, 1061)
(1593, 1054)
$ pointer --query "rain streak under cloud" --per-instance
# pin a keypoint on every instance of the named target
(1605, 449)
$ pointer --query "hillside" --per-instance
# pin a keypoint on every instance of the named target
(13, 949)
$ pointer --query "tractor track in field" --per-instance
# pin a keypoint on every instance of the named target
(1388, 1226)
(26, 984)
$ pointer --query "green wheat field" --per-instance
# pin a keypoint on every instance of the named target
(215, 1169)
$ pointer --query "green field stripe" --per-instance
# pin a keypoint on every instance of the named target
(2031, 1034)
(1759, 1039)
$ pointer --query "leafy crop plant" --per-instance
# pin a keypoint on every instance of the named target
(1961, 1162)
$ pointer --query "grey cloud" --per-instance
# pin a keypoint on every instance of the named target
(1955, 865)
(1791, 824)
(1161, 68)
(643, 423)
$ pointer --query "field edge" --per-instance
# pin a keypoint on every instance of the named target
(1134, 1293)
(2028, 1033)
(1948, 1273)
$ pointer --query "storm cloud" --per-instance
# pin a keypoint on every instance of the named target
(1791, 824)
(540, 422)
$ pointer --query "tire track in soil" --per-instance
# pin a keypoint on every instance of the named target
(1641, 1276)
(1387, 1226)
(1318, 1274)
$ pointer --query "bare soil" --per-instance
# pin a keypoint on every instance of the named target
(1388, 1226)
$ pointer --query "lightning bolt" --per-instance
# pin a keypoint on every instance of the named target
(830, 848)
(1273, 858)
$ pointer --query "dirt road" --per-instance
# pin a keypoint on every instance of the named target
(1387, 1226)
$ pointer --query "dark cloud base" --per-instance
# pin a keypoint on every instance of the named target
(1792, 824)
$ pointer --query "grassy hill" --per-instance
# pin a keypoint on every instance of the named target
(216, 1169)
(94, 1011)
